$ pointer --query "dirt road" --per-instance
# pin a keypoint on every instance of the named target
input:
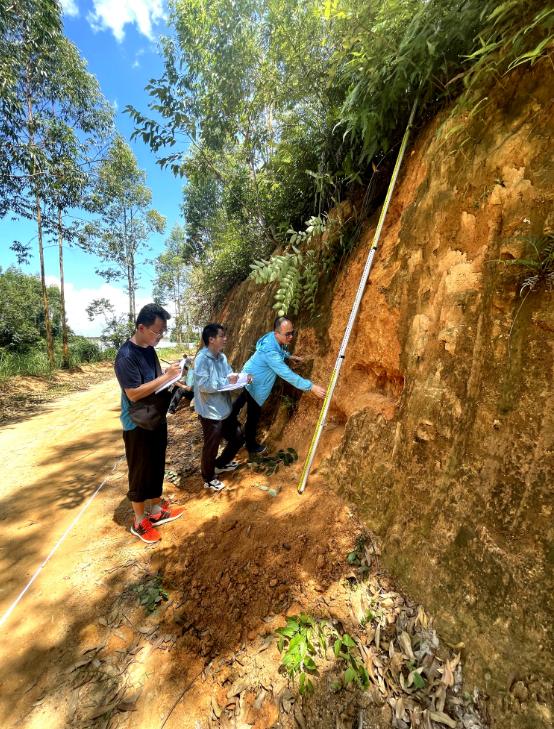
(52, 463)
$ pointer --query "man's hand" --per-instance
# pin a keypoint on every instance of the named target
(172, 371)
(233, 379)
(296, 358)
(183, 386)
(318, 391)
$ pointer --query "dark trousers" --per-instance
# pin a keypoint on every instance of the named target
(145, 452)
(214, 432)
(178, 395)
(253, 411)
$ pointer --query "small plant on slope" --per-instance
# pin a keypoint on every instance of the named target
(346, 650)
(301, 641)
(538, 264)
(151, 593)
(304, 640)
(271, 464)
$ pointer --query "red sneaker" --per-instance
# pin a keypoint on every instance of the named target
(168, 513)
(146, 531)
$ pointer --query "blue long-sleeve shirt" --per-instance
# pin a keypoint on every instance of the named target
(266, 364)
(210, 374)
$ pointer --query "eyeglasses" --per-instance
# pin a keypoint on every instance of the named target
(158, 334)
(289, 334)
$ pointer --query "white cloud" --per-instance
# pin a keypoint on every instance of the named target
(138, 54)
(77, 300)
(70, 8)
(114, 15)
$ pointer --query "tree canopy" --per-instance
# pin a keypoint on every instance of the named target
(124, 220)
(21, 313)
(274, 110)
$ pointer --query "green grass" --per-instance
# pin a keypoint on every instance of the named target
(35, 362)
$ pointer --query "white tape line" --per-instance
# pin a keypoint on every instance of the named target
(85, 506)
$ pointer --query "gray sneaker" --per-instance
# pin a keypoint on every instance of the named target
(214, 485)
(231, 466)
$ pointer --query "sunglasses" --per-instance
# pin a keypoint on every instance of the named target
(290, 334)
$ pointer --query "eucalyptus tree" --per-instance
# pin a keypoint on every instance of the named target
(170, 281)
(242, 110)
(124, 219)
(116, 327)
(45, 86)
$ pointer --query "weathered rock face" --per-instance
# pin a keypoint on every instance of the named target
(444, 409)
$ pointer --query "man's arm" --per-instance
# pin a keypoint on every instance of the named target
(285, 372)
(147, 388)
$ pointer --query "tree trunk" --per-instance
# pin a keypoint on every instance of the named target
(45, 304)
(131, 290)
(133, 299)
(129, 260)
(65, 343)
(178, 317)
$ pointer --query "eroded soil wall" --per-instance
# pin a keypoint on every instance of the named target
(442, 423)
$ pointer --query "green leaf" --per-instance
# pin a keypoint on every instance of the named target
(417, 680)
(350, 675)
(348, 641)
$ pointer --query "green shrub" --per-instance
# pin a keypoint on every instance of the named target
(291, 103)
(82, 349)
(396, 50)
(34, 362)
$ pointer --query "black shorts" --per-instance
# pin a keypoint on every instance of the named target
(145, 452)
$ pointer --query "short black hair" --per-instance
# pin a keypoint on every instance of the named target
(280, 320)
(149, 313)
(211, 330)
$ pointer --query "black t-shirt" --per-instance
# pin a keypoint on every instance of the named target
(135, 365)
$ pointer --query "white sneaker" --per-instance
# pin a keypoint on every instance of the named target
(231, 466)
(214, 485)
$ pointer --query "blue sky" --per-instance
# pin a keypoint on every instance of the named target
(118, 39)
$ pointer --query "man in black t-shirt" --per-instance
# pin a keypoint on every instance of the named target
(143, 416)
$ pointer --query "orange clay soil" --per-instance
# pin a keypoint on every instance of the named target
(80, 650)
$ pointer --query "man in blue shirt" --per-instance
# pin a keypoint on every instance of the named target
(211, 373)
(266, 364)
(143, 416)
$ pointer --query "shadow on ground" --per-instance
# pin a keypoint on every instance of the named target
(225, 574)
(72, 474)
